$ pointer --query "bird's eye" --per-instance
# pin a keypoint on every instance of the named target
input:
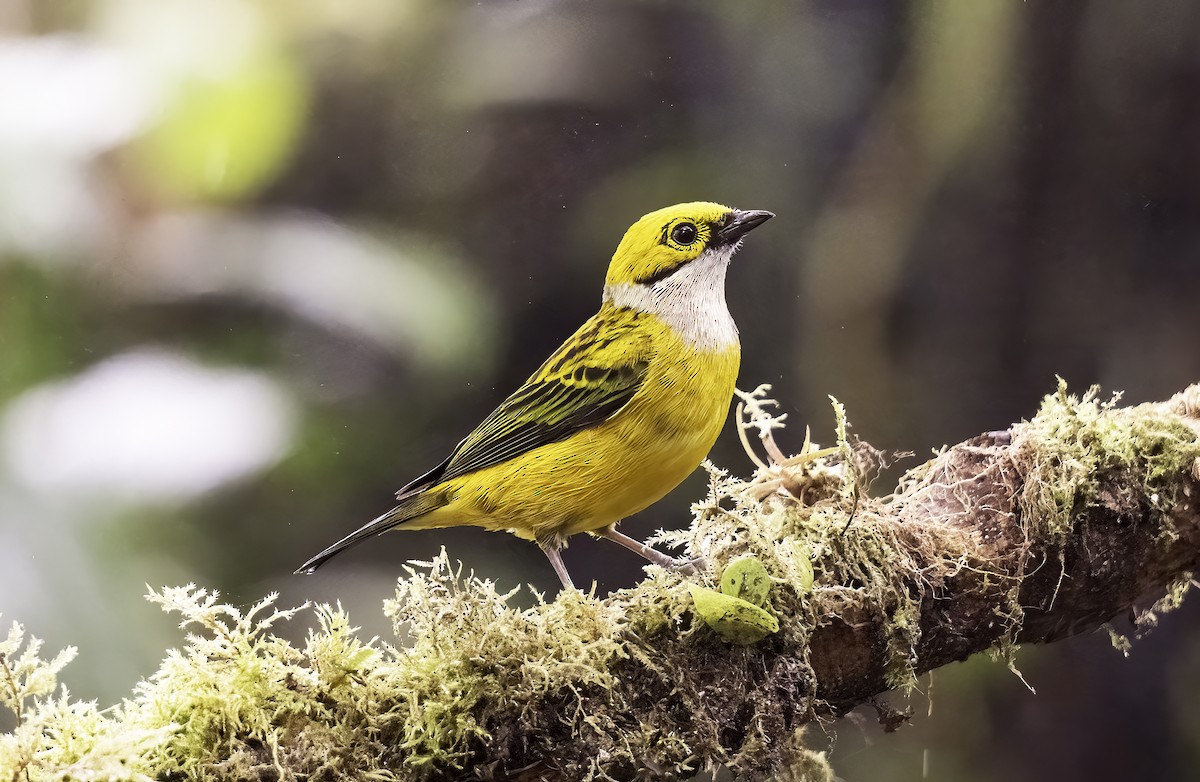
(684, 233)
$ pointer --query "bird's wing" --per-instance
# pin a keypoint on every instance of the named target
(584, 383)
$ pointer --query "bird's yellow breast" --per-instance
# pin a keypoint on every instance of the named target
(617, 468)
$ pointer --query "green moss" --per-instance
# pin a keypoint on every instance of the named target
(1074, 443)
(55, 737)
(805, 765)
(1171, 600)
(471, 653)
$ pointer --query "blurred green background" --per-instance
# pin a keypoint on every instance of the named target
(264, 261)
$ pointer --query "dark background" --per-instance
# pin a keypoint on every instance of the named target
(261, 263)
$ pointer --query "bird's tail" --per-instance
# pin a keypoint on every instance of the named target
(413, 505)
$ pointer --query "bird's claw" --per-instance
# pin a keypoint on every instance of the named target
(690, 567)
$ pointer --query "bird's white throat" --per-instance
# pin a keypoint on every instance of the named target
(691, 301)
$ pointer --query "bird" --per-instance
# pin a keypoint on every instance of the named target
(622, 412)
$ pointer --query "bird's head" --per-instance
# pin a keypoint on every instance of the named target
(666, 241)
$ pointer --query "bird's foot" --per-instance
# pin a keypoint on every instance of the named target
(689, 567)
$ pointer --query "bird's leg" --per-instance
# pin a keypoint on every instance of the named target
(554, 554)
(654, 555)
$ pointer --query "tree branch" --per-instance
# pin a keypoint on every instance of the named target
(1046, 553)
(1047, 529)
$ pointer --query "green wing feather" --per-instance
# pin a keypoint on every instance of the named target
(587, 381)
(584, 383)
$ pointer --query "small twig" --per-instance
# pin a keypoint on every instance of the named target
(741, 430)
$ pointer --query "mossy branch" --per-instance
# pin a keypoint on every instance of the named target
(1047, 529)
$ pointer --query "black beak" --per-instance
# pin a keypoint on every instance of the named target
(738, 223)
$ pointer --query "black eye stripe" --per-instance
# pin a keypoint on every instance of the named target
(659, 275)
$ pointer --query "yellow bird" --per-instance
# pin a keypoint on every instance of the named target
(618, 416)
